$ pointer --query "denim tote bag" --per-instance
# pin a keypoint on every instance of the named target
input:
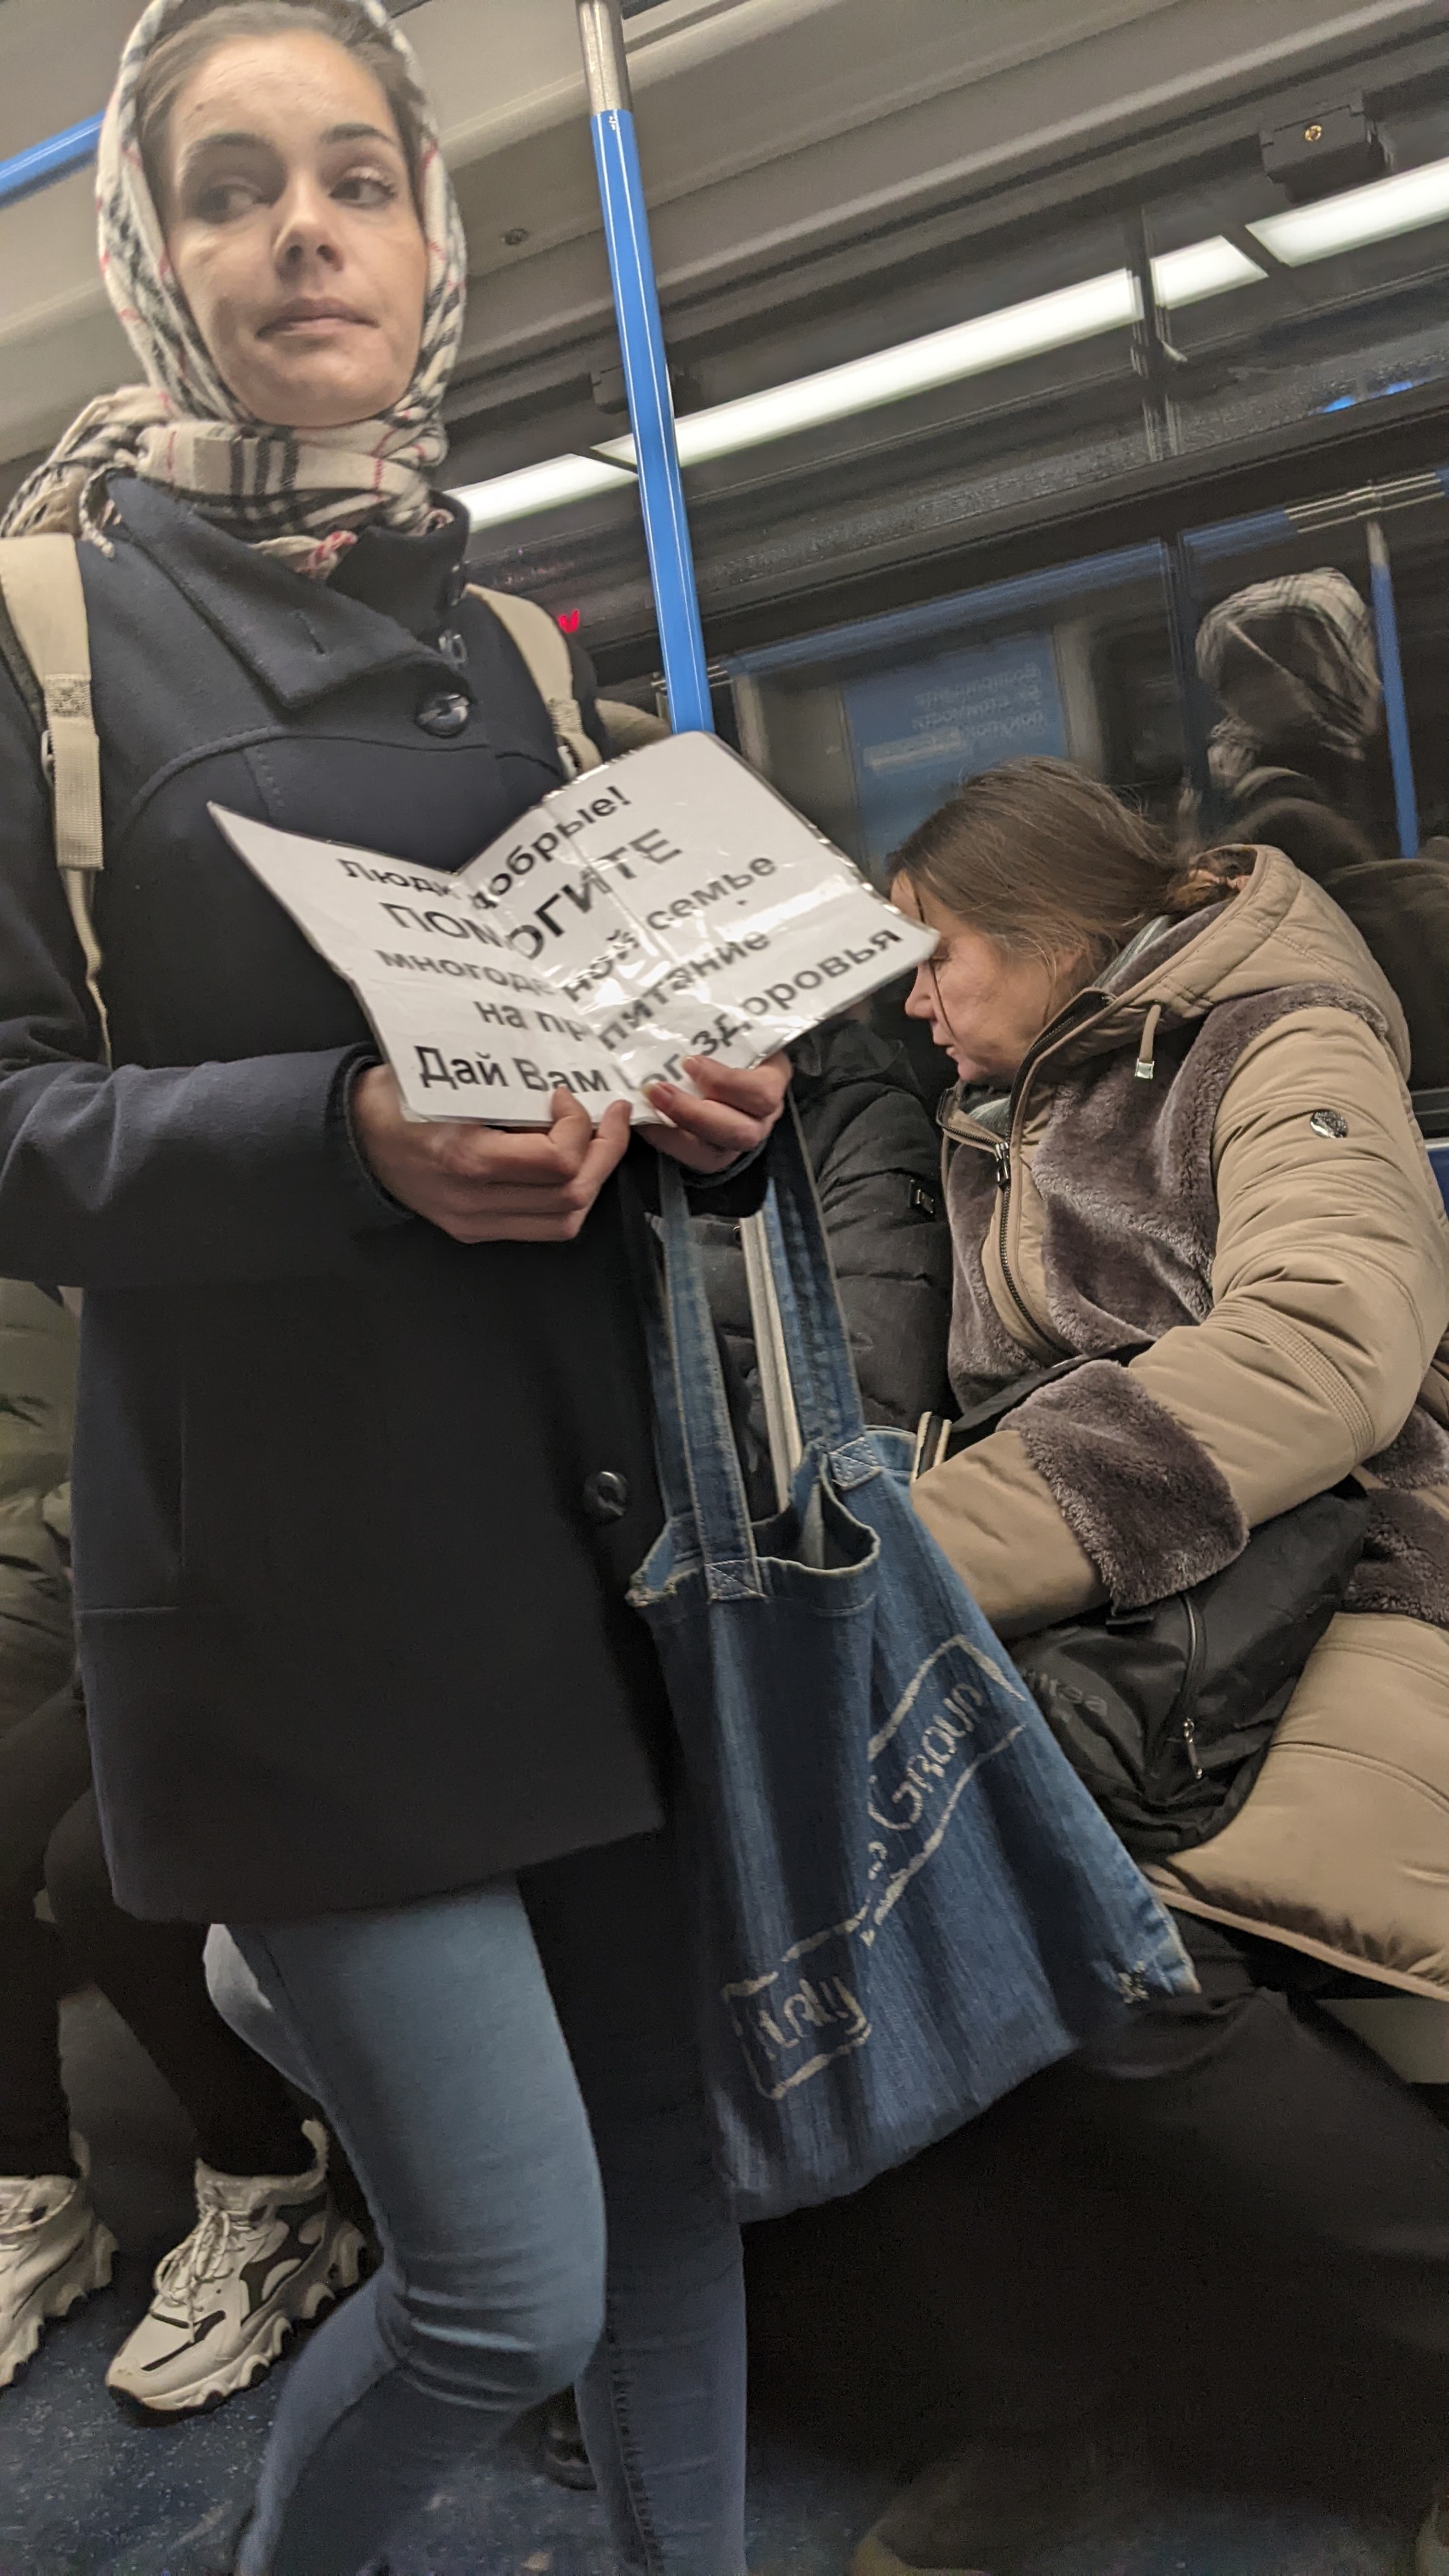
(904, 1900)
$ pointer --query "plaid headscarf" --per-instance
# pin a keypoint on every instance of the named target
(1292, 662)
(300, 494)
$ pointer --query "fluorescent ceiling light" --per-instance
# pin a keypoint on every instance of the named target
(915, 367)
(1073, 313)
(1205, 268)
(540, 487)
(1375, 213)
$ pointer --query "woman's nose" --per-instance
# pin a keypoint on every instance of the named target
(307, 230)
(920, 1001)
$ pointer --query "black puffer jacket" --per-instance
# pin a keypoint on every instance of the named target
(876, 1156)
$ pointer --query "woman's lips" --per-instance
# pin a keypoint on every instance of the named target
(319, 317)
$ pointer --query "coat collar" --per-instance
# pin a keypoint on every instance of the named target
(299, 638)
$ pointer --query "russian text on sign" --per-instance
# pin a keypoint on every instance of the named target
(668, 906)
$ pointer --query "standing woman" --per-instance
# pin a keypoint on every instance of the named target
(363, 1460)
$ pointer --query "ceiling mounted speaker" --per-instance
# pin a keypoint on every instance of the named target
(1322, 154)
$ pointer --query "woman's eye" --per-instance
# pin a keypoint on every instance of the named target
(224, 199)
(366, 188)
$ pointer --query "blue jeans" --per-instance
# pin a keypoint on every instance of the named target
(515, 2079)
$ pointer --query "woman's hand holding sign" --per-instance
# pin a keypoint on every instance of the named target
(726, 1115)
(492, 1185)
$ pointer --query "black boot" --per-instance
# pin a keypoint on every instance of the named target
(565, 2459)
(998, 2502)
(378, 2568)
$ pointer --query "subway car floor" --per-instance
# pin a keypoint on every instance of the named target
(868, 2324)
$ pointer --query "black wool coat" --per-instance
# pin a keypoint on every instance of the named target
(350, 1592)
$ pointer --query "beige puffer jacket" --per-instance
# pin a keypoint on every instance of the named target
(1259, 1207)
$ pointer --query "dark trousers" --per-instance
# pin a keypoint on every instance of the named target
(243, 2115)
(1230, 2221)
(1265, 2110)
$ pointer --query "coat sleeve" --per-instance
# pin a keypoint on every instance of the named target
(1330, 1290)
(1330, 1281)
(880, 1188)
(144, 1177)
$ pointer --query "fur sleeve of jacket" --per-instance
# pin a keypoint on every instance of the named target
(1330, 1288)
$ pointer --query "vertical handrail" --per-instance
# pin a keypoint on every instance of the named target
(666, 532)
(1391, 672)
(646, 368)
(1182, 626)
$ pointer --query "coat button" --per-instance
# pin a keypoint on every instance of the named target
(445, 715)
(606, 1496)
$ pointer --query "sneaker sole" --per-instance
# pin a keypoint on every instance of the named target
(89, 2270)
(345, 2265)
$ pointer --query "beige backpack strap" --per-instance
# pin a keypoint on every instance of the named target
(551, 669)
(630, 728)
(41, 583)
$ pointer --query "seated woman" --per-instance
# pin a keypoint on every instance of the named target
(1205, 1148)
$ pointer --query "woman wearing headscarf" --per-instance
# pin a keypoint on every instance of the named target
(1294, 667)
(363, 1460)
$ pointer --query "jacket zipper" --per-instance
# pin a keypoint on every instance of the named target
(1003, 1200)
(1061, 1027)
(1196, 1648)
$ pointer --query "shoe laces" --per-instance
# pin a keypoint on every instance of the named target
(21, 2212)
(209, 2253)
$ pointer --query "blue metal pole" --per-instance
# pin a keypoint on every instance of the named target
(53, 159)
(1391, 672)
(646, 370)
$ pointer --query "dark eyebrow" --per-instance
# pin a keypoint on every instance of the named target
(360, 134)
(228, 139)
(205, 142)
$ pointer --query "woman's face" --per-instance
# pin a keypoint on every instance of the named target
(986, 1007)
(292, 230)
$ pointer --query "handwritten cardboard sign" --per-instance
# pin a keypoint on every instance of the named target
(668, 905)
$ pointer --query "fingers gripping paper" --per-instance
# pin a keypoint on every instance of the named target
(668, 905)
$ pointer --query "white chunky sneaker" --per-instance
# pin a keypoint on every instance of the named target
(54, 2252)
(268, 2253)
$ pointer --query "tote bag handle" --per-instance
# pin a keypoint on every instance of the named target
(782, 1423)
(803, 1346)
(699, 1467)
(811, 1329)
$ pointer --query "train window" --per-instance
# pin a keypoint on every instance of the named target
(1335, 534)
(1417, 540)
(868, 727)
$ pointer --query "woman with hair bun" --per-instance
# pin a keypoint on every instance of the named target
(1200, 1151)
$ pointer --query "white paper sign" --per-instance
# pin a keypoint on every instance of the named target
(668, 905)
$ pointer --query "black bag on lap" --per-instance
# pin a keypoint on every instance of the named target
(1166, 1713)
